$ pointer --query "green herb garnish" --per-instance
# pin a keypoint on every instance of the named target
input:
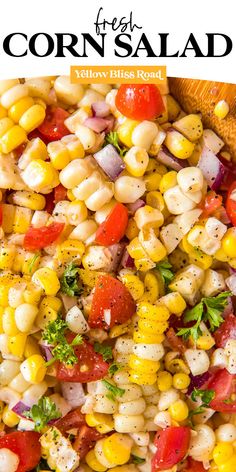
(54, 334)
(206, 397)
(209, 310)
(105, 351)
(137, 460)
(45, 411)
(43, 465)
(164, 268)
(112, 138)
(113, 390)
(54, 331)
(69, 281)
(32, 261)
(114, 367)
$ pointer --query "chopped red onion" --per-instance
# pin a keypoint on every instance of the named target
(68, 302)
(231, 283)
(127, 261)
(73, 393)
(100, 109)
(212, 168)
(110, 120)
(110, 161)
(47, 351)
(165, 157)
(116, 252)
(20, 408)
(96, 124)
(228, 309)
(133, 207)
(197, 381)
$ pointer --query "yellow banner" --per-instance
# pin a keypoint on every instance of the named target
(120, 74)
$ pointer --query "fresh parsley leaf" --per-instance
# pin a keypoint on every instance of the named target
(115, 367)
(137, 460)
(32, 261)
(70, 284)
(164, 268)
(112, 138)
(54, 334)
(105, 351)
(209, 310)
(54, 331)
(206, 397)
(42, 413)
(113, 390)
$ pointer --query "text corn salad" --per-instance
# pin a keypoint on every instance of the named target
(117, 261)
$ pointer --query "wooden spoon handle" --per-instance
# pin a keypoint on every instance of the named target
(202, 96)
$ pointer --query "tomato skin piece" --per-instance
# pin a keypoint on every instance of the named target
(112, 230)
(175, 341)
(97, 368)
(172, 445)
(26, 445)
(231, 205)
(222, 383)
(53, 128)
(85, 440)
(227, 330)
(194, 466)
(210, 204)
(60, 193)
(73, 419)
(140, 101)
(110, 294)
(38, 238)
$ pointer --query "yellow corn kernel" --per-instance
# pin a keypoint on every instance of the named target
(172, 107)
(232, 263)
(74, 147)
(45, 316)
(116, 331)
(7, 254)
(135, 249)
(142, 378)
(30, 264)
(16, 344)
(152, 327)
(178, 410)
(51, 302)
(69, 250)
(70, 195)
(59, 154)
(222, 452)
(176, 366)
(39, 174)
(131, 230)
(152, 181)
(164, 381)
(32, 294)
(178, 145)
(125, 131)
(89, 277)
(143, 365)
(117, 448)
(174, 302)
(181, 381)
(10, 418)
(32, 118)
(146, 338)
(31, 347)
(155, 200)
(93, 463)
(8, 322)
(22, 220)
(221, 109)
(3, 112)
(185, 246)
(205, 341)
(229, 243)
(34, 369)
(19, 108)
(4, 295)
(168, 181)
(31, 200)
(47, 279)
(190, 126)
(1, 315)
(152, 245)
(5, 125)
(8, 214)
(13, 138)
(158, 313)
(200, 259)
(144, 264)
(1, 408)
(151, 289)
(134, 285)
(94, 419)
(229, 465)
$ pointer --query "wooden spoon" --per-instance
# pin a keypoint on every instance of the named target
(202, 96)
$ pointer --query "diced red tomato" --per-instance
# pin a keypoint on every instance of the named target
(74, 419)
(60, 193)
(222, 382)
(26, 445)
(90, 365)
(112, 230)
(140, 101)
(53, 127)
(49, 207)
(86, 440)
(38, 238)
(172, 445)
(211, 203)
(194, 466)
(227, 330)
(111, 304)
(231, 204)
(175, 341)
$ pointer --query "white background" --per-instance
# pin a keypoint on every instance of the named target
(178, 17)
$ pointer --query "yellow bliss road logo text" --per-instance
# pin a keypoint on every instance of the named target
(123, 74)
